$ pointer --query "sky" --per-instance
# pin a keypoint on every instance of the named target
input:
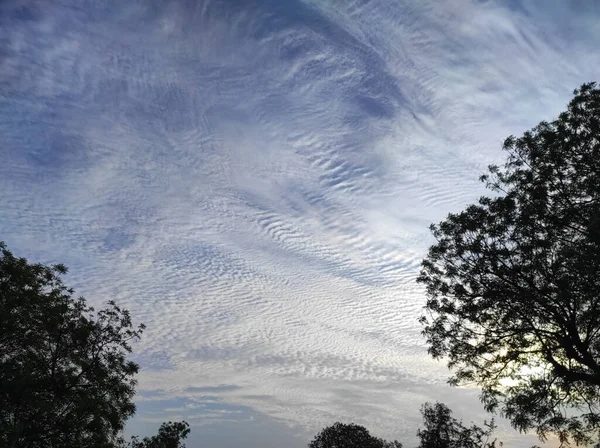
(254, 181)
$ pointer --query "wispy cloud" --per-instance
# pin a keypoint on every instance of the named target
(254, 180)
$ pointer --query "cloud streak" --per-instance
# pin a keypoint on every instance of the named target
(254, 180)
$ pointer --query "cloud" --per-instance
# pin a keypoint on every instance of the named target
(254, 180)
(212, 389)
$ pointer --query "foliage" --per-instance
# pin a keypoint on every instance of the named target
(64, 376)
(441, 431)
(170, 435)
(513, 282)
(444, 431)
(340, 435)
(391, 444)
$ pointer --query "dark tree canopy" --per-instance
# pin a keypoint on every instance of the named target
(170, 435)
(513, 282)
(340, 435)
(444, 431)
(65, 380)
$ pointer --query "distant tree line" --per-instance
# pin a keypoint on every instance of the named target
(440, 430)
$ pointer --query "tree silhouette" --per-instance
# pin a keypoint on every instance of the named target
(444, 431)
(65, 380)
(513, 282)
(170, 435)
(340, 435)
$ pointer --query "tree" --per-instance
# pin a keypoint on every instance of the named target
(513, 282)
(170, 435)
(340, 435)
(64, 376)
(444, 431)
(65, 380)
(391, 444)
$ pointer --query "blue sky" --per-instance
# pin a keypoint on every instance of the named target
(254, 181)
